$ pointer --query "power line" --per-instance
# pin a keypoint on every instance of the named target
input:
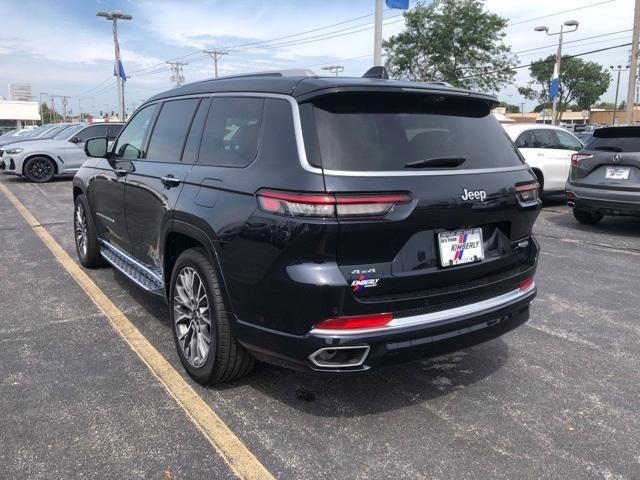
(559, 13)
(541, 62)
(176, 68)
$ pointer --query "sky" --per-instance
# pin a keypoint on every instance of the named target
(63, 48)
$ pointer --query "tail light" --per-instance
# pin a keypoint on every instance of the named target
(353, 323)
(527, 194)
(328, 205)
(577, 158)
(526, 285)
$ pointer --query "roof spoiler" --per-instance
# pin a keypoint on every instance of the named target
(377, 72)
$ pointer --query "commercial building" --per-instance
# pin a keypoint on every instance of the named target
(16, 114)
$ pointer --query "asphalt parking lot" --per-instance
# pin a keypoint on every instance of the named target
(557, 398)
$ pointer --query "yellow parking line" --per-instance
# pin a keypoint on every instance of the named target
(235, 453)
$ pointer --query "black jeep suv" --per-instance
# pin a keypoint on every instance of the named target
(605, 175)
(332, 224)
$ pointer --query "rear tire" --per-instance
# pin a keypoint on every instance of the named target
(85, 235)
(198, 315)
(586, 217)
(39, 169)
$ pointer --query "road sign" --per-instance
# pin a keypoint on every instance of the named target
(399, 4)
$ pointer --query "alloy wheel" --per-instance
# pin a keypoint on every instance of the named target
(80, 227)
(192, 317)
(40, 169)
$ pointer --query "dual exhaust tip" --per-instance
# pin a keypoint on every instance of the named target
(340, 357)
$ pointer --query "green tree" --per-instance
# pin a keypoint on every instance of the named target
(454, 41)
(510, 108)
(581, 83)
(605, 105)
(49, 115)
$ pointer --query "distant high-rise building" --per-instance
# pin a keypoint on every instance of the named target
(20, 92)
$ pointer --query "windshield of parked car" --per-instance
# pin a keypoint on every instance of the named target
(365, 131)
(622, 139)
(69, 132)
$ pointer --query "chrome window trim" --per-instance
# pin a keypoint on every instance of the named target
(478, 308)
(302, 153)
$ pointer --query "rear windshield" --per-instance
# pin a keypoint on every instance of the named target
(621, 139)
(365, 131)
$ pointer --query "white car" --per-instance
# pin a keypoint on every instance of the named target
(41, 160)
(547, 149)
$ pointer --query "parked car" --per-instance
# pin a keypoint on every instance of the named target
(63, 154)
(605, 175)
(331, 224)
(41, 133)
(547, 149)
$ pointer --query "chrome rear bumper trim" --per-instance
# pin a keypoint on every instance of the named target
(478, 308)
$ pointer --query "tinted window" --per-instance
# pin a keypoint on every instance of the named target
(568, 141)
(544, 138)
(386, 131)
(230, 137)
(93, 131)
(192, 146)
(620, 139)
(170, 130)
(129, 145)
(69, 133)
(114, 130)
(525, 140)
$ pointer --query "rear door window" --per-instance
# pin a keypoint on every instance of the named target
(525, 140)
(231, 132)
(170, 130)
(372, 131)
(568, 141)
(545, 138)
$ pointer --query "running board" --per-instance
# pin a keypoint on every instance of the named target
(133, 270)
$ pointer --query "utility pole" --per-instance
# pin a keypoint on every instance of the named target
(118, 69)
(630, 116)
(215, 54)
(176, 72)
(334, 69)
(54, 114)
(65, 102)
(377, 35)
(522, 109)
(555, 81)
(615, 104)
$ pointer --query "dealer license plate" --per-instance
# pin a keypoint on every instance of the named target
(459, 247)
(617, 173)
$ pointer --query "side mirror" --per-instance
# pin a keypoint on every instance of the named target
(75, 139)
(96, 147)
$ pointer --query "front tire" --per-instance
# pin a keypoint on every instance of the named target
(586, 217)
(86, 238)
(201, 330)
(39, 169)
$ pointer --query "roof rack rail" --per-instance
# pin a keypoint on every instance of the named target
(439, 82)
(299, 72)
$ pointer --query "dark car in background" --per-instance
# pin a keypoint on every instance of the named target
(331, 224)
(605, 176)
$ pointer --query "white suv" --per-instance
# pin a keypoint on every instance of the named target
(547, 150)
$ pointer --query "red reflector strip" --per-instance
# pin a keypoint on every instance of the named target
(351, 323)
(373, 199)
(527, 187)
(526, 285)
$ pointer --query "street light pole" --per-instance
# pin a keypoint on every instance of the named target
(555, 89)
(377, 36)
(114, 16)
(615, 104)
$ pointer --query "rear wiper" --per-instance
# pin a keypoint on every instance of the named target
(609, 148)
(437, 162)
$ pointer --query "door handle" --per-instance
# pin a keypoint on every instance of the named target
(119, 172)
(170, 181)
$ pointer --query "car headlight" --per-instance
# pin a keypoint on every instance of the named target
(14, 151)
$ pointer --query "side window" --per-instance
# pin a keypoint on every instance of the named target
(525, 140)
(92, 131)
(114, 130)
(567, 141)
(129, 146)
(231, 132)
(170, 130)
(544, 138)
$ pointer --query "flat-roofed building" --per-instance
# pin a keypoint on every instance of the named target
(14, 114)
